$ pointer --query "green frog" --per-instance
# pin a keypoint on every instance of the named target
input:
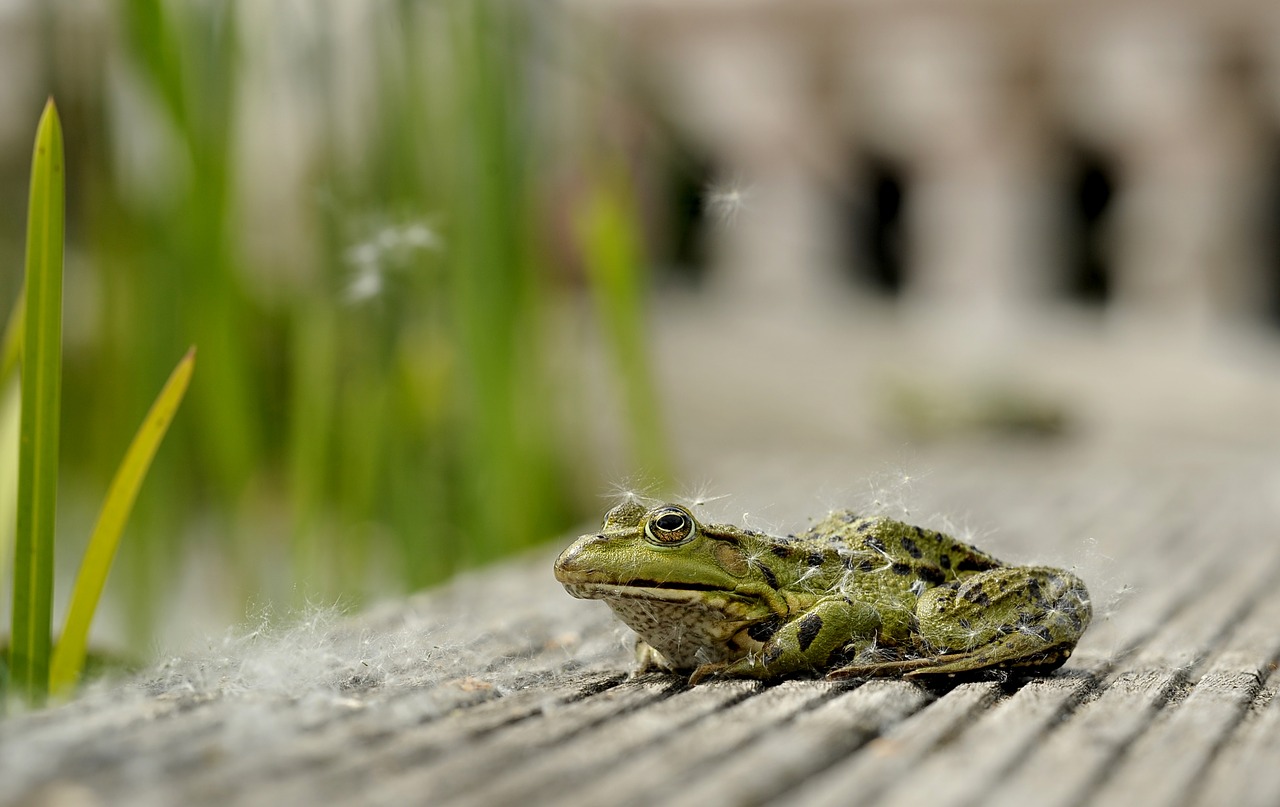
(853, 596)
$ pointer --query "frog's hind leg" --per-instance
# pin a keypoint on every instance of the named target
(1028, 619)
(1014, 652)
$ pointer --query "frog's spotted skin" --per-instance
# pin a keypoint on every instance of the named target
(853, 596)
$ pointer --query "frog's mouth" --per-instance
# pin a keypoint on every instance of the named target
(639, 590)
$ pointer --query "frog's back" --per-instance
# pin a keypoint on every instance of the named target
(934, 553)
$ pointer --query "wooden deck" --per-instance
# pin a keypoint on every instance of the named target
(500, 689)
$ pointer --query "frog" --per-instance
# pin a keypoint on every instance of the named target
(853, 596)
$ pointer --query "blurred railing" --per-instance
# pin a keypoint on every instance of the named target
(1119, 151)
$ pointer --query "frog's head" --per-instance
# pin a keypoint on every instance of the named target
(663, 551)
(670, 577)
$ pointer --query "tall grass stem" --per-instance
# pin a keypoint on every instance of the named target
(41, 408)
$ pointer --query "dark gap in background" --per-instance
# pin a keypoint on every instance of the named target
(1092, 189)
(685, 256)
(875, 207)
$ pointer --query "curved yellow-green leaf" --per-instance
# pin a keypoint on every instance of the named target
(41, 404)
(69, 655)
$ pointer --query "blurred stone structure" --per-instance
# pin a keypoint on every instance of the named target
(984, 107)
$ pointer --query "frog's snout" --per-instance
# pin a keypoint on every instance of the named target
(565, 563)
(569, 566)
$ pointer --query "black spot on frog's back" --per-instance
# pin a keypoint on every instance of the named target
(770, 578)
(808, 630)
(971, 563)
(911, 547)
(931, 574)
(1033, 590)
(763, 631)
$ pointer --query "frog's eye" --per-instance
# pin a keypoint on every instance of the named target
(669, 526)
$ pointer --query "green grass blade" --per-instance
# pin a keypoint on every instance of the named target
(69, 655)
(11, 351)
(10, 423)
(41, 405)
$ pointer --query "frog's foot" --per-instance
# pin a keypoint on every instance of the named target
(707, 672)
(649, 660)
(884, 669)
(1015, 652)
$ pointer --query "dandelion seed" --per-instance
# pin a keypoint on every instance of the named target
(726, 201)
(631, 489)
(701, 496)
(751, 523)
(806, 578)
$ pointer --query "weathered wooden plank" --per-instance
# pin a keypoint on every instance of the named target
(899, 750)
(661, 772)
(772, 764)
(440, 761)
(1245, 773)
(607, 746)
(411, 729)
(1196, 727)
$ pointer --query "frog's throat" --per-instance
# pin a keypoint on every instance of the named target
(646, 590)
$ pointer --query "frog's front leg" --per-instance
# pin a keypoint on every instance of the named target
(648, 659)
(803, 643)
(1012, 617)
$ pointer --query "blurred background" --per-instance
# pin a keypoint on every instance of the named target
(457, 268)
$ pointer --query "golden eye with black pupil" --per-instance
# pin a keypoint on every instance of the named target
(669, 527)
